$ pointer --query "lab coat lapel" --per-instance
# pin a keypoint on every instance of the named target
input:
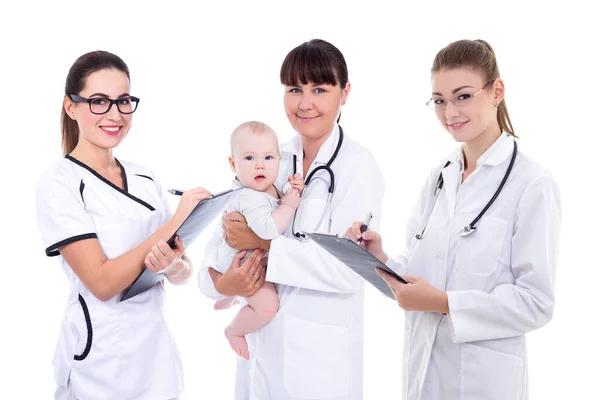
(450, 174)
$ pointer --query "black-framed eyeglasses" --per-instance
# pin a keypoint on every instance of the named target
(102, 105)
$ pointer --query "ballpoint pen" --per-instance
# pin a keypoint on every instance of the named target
(365, 225)
(175, 192)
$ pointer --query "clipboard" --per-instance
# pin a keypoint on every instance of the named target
(356, 258)
(200, 217)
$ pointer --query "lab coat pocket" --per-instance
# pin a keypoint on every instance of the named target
(317, 362)
(489, 374)
(84, 343)
(478, 253)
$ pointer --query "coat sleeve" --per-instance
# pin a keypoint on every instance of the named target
(303, 263)
(514, 309)
(61, 213)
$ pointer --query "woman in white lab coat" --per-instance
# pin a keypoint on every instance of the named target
(105, 220)
(471, 298)
(313, 348)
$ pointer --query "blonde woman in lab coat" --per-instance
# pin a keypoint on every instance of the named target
(313, 348)
(105, 220)
(473, 294)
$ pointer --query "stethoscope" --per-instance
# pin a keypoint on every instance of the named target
(309, 179)
(469, 229)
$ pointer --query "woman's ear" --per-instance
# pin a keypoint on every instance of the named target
(68, 106)
(345, 92)
(498, 91)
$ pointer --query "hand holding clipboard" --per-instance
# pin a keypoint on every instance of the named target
(198, 219)
(355, 256)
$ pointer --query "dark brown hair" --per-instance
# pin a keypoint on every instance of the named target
(315, 61)
(76, 79)
(478, 55)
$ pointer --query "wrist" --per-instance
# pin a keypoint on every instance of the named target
(265, 244)
(381, 256)
(288, 206)
(443, 306)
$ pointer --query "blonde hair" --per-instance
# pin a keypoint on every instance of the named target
(251, 127)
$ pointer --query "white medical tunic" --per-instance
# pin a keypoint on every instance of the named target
(313, 348)
(500, 279)
(108, 350)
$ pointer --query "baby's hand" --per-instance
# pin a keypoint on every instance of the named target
(291, 198)
(297, 182)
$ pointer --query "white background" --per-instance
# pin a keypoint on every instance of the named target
(201, 70)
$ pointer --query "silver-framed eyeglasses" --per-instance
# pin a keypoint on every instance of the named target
(460, 100)
(102, 105)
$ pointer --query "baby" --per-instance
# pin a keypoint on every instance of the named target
(255, 161)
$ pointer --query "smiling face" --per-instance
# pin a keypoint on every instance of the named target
(313, 109)
(104, 131)
(472, 113)
(255, 157)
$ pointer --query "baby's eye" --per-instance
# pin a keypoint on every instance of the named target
(249, 158)
(269, 157)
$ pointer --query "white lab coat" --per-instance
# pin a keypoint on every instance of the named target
(499, 280)
(108, 350)
(313, 348)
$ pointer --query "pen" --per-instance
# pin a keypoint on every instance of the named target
(175, 192)
(365, 225)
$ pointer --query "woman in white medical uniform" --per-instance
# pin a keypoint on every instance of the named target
(106, 220)
(313, 348)
(478, 278)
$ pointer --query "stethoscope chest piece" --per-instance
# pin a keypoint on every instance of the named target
(467, 231)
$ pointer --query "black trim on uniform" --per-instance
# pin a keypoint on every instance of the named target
(145, 176)
(123, 176)
(109, 183)
(81, 187)
(52, 251)
(88, 323)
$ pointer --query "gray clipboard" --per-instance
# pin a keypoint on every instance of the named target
(200, 217)
(356, 258)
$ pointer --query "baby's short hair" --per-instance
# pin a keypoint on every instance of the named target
(253, 127)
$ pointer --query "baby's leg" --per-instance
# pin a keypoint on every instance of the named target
(261, 309)
(226, 302)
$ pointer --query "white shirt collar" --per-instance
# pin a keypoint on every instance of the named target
(493, 156)
(325, 152)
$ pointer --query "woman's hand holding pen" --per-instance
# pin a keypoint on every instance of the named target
(189, 200)
(371, 240)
